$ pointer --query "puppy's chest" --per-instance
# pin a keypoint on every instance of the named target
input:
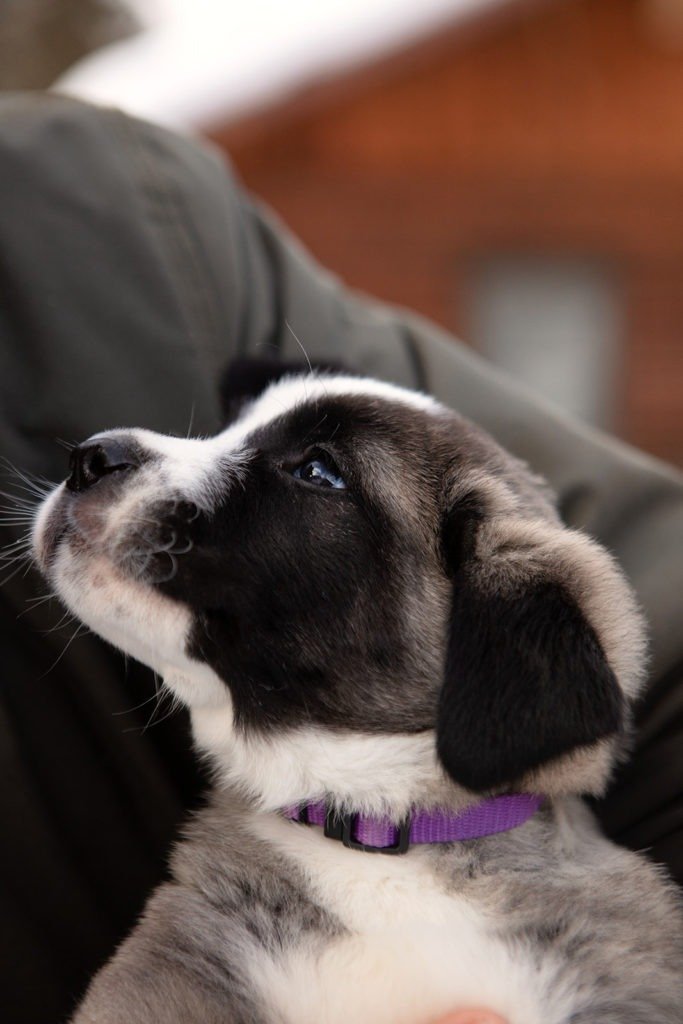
(409, 947)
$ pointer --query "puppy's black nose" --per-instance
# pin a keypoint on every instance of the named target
(95, 459)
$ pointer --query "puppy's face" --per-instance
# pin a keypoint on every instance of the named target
(351, 572)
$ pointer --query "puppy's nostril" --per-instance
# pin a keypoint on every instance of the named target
(91, 461)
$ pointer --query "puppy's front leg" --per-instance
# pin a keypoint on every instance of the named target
(183, 964)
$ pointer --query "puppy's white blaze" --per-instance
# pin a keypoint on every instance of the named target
(286, 394)
(190, 465)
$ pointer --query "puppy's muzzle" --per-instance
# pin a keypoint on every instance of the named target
(98, 458)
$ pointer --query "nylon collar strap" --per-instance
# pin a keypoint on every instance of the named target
(379, 835)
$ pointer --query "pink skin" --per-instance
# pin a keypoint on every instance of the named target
(471, 1017)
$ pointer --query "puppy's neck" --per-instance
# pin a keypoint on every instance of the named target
(385, 775)
(372, 774)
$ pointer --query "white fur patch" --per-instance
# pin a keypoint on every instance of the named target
(290, 392)
(140, 621)
(188, 466)
(375, 774)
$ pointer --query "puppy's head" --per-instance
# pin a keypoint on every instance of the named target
(357, 593)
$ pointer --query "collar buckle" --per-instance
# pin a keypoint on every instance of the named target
(341, 827)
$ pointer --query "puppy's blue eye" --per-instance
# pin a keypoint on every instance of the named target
(321, 471)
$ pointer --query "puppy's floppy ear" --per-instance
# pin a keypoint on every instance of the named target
(245, 378)
(544, 643)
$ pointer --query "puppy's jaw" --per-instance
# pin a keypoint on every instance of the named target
(138, 620)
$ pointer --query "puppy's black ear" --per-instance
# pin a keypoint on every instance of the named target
(526, 676)
(245, 378)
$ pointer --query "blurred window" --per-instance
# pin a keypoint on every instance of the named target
(555, 323)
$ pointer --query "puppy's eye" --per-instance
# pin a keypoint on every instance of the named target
(320, 470)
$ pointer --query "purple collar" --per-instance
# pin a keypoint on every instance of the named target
(378, 835)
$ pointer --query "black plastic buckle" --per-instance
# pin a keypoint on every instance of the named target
(339, 826)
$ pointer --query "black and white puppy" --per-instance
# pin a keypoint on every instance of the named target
(364, 600)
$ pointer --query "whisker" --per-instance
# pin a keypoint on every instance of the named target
(34, 490)
(43, 597)
(23, 541)
(172, 710)
(8, 560)
(189, 426)
(35, 486)
(15, 572)
(175, 704)
(36, 602)
(77, 632)
(291, 331)
(10, 550)
(20, 542)
(25, 474)
(137, 707)
(17, 500)
(66, 620)
(26, 511)
(25, 537)
(160, 694)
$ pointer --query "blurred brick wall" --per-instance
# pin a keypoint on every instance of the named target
(544, 128)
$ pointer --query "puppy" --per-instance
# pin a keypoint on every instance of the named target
(403, 670)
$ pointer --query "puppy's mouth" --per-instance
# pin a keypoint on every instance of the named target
(142, 540)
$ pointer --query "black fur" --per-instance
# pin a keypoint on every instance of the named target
(295, 590)
(299, 594)
(525, 681)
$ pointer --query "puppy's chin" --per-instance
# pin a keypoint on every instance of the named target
(127, 612)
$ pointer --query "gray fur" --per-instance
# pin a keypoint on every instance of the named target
(616, 937)
(232, 901)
